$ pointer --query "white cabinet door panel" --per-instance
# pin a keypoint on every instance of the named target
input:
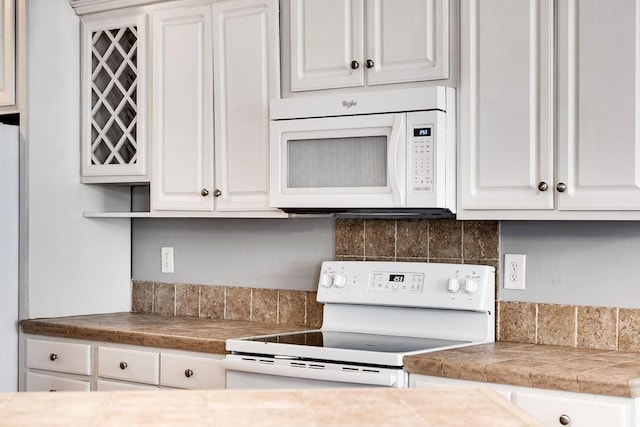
(191, 372)
(41, 382)
(507, 101)
(326, 36)
(102, 385)
(7, 53)
(578, 412)
(59, 356)
(407, 43)
(599, 104)
(245, 79)
(183, 109)
(129, 365)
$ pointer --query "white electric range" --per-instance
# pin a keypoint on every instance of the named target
(375, 313)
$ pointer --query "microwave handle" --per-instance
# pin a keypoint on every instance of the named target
(397, 159)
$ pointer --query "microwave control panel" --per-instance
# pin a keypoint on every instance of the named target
(422, 156)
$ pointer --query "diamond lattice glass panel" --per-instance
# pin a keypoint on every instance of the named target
(114, 83)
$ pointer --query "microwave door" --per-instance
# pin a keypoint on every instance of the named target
(338, 162)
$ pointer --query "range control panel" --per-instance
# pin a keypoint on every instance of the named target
(408, 284)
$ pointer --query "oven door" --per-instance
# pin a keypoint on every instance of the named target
(339, 162)
(251, 372)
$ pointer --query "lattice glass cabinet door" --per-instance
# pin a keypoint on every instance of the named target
(114, 98)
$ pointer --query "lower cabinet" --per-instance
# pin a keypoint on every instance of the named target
(553, 407)
(55, 364)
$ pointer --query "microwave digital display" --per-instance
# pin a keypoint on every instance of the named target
(421, 131)
(396, 277)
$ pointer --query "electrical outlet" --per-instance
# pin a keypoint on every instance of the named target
(514, 271)
(167, 259)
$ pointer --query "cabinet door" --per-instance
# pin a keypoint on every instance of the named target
(326, 36)
(245, 78)
(599, 104)
(114, 86)
(182, 109)
(192, 372)
(58, 356)
(129, 365)
(7, 53)
(506, 119)
(41, 382)
(407, 43)
(559, 411)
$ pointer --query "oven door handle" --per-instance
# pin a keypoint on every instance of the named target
(379, 379)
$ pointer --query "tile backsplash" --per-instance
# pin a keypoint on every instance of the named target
(602, 328)
(419, 240)
(275, 306)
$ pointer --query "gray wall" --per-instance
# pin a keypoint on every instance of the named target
(576, 262)
(260, 253)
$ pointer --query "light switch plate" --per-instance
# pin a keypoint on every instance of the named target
(514, 271)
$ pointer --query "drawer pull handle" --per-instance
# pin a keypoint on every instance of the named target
(188, 373)
(565, 420)
(53, 356)
(52, 390)
(123, 365)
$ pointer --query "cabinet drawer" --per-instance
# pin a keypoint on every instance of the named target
(59, 356)
(41, 382)
(191, 372)
(128, 365)
(103, 385)
(576, 412)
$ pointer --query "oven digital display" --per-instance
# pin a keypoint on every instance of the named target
(397, 278)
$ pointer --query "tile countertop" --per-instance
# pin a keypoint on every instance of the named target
(319, 407)
(153, 330)
(613, 373)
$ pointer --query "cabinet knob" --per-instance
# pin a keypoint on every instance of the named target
(369, 63)
(188, 373)
(355, 65)
(217, 193)
(123, 365)
(204, 192)
(561, 187)
(565, 420)
(543, 186)
(53, 356)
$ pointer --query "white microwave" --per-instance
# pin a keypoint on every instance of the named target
(394, 162)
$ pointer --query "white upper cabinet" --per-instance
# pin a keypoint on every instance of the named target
(182, 109)
(353, 43)
(506, 124)
(599, 104)
(114, 83)
(547, 139)
(326, 44)
(7, 53)
(245, 79)
(213, 68)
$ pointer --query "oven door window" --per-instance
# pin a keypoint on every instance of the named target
(337, 162)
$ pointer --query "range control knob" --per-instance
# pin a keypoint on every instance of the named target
(470, 286)
(339, 281)
(326, 280)
(453, 285)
